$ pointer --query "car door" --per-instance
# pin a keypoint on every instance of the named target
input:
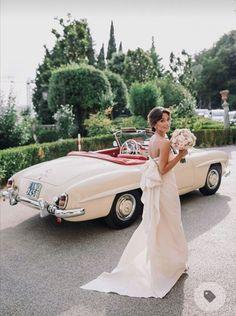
(184, 172)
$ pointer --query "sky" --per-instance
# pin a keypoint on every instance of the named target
(26, 26)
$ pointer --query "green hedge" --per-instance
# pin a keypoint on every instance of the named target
(215, 137)
(15, 159)
(97, 142)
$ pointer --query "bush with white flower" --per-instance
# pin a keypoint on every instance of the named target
(65, 121)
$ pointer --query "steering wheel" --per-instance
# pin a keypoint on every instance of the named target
(131, 147)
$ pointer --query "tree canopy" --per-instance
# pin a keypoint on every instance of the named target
(182, 71)
(215, 70)
(73, 44)
(138, 67)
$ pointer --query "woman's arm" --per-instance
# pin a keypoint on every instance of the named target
(164, 164)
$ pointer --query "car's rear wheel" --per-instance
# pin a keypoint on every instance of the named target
(125, 209)
(213, 180)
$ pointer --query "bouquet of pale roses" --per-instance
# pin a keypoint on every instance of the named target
(182, 139)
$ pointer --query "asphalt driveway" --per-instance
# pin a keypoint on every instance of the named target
(43, 264)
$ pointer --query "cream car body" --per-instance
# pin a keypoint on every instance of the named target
(105, 183)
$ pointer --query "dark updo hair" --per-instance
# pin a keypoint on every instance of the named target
(155, 115)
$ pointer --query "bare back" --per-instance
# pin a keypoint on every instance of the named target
(154, 146)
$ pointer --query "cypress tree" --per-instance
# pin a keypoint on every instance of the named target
(120, 48)
(112, 43)
(90, 50)
(101, 59)
(156, 60)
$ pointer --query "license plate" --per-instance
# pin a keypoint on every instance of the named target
(34, 189)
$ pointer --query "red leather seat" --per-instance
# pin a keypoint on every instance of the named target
(119, 160)
(140, 157)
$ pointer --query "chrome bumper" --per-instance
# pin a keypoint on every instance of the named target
(44, 207)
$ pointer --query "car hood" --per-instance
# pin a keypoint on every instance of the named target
(59, 171)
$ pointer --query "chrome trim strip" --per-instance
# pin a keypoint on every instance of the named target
(27, 200)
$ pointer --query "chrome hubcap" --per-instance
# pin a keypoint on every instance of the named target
(213, 179)
(125, 207)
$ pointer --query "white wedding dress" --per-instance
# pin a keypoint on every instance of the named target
(156, 255)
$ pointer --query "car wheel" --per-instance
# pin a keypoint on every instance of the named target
(125, 209)
(213, 180)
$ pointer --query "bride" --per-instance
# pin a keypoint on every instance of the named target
(156, 255)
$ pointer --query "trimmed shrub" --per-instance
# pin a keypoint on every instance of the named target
(120, 93)
(143, 97)
(82, 86)
(98, 124)
(173, 93)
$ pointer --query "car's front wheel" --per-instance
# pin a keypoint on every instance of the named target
(125, 209)
(213, 180)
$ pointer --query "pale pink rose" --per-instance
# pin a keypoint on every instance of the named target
(182, 139)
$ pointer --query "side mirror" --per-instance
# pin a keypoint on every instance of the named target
(115, 143)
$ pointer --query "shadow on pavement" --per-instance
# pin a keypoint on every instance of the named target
(201, 213)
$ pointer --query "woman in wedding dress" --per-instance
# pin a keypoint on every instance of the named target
(156, 255)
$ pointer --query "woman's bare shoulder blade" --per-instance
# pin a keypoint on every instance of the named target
(165, 143)
(152, 147)
(153, 141)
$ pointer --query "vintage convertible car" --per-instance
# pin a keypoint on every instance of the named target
(105, 183)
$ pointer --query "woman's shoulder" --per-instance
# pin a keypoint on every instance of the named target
(165, 142)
